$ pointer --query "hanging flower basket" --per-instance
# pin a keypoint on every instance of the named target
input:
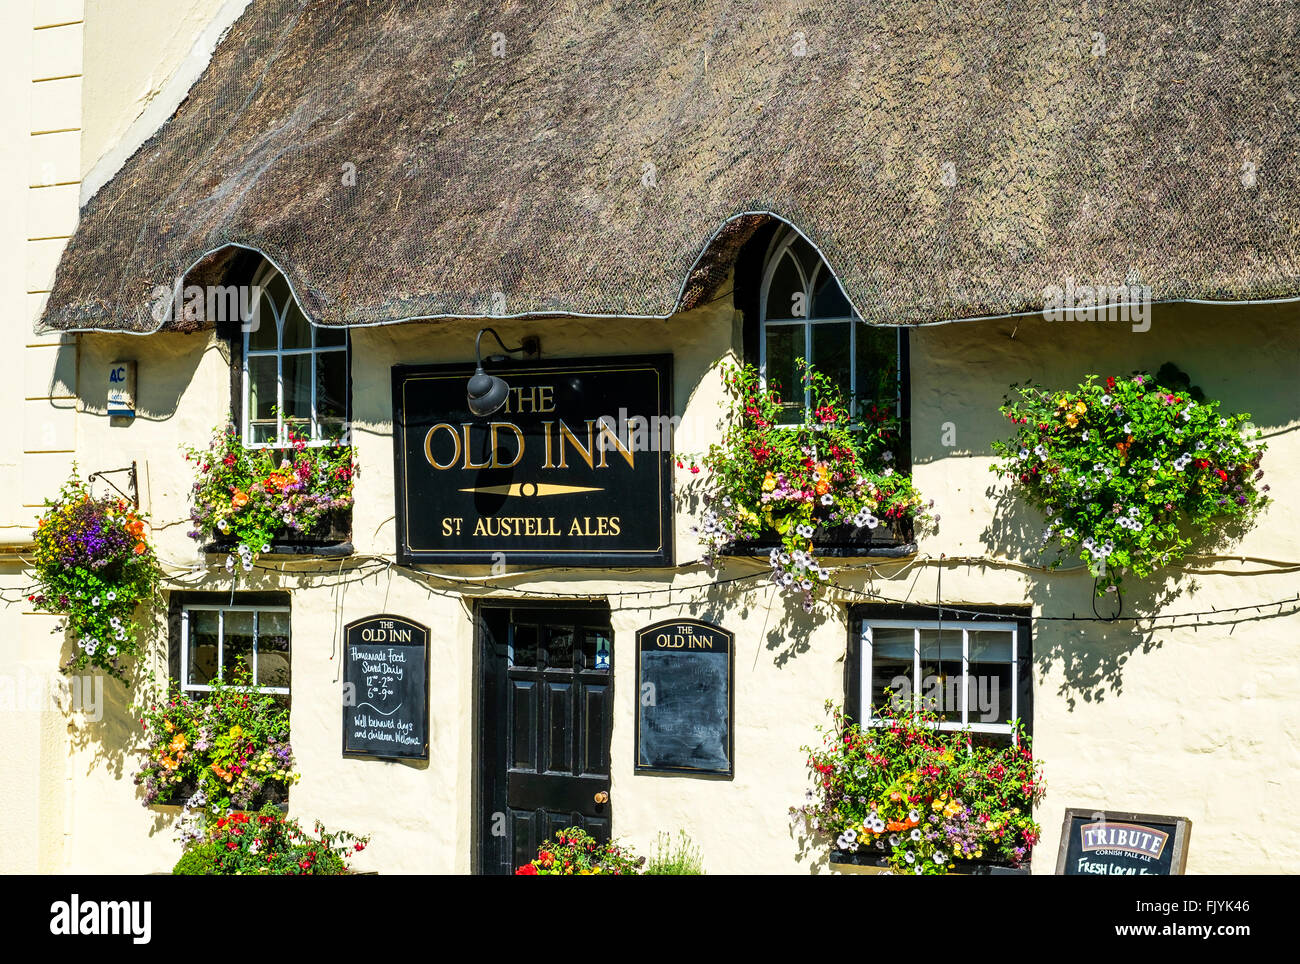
(94, 566)
(247, 502)
(830, 486)
(1123, 468)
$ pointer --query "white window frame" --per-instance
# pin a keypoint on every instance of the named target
(966, 627)
(221, 610)
(266, 274)
(778, 248)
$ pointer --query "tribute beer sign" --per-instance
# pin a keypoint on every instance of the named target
(575, 469)
(386, 688)
(1105, 843)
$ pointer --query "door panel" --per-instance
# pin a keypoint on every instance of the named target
(545, 720)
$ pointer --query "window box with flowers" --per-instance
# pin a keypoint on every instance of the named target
(905, 794)
(222, 746)
(250, 501)
(794, 492)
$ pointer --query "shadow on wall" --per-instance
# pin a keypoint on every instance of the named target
(1256, 376)
(165, 367)
(108, 738)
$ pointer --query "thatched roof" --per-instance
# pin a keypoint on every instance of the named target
(949, 160)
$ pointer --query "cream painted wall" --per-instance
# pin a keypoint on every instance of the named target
(76, 77)
(1197, 721)
(121, 84)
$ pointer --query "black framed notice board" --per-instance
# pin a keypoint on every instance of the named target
(386, 688)
(685, 698)
(1114, 843)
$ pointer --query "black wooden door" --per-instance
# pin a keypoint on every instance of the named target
(547, 705)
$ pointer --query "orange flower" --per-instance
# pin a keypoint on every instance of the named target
(823, 487)
(239, 500)
(140, 548)
(277, 481)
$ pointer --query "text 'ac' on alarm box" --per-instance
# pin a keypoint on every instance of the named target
(121, 389)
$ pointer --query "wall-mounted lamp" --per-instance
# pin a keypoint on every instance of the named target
(487, 393)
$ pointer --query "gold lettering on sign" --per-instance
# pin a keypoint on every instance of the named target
(428, 446)
(683, 641)
(511, 525)
(538, 399)
(608, 433)
(469, 462)
(601, 525)
(519, 438)
(584, 453)
(547, 463)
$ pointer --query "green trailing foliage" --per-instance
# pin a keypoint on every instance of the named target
(1126, 469)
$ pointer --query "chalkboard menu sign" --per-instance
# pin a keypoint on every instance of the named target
(386, 688)
(1107, 843)
(684, 707)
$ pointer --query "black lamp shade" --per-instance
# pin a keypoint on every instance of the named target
(486, 393)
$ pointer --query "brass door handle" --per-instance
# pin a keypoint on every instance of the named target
(601, 797)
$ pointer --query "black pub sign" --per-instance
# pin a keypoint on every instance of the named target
(575, 469)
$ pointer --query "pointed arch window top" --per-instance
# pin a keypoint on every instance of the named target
(295, 374)
(805, 315)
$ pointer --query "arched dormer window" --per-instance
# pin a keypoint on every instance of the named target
(804, 313)
(295, 374)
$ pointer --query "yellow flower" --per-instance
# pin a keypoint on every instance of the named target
(769, 482)
(1080, 408)
(236, 731)
(1072, 420)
